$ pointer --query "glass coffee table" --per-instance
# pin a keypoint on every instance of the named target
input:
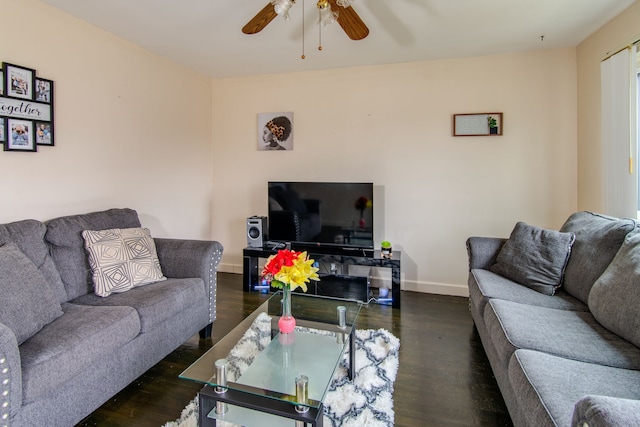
(290, 373)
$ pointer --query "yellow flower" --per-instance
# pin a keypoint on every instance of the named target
(298, 274)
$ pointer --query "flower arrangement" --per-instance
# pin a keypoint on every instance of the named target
(290, 269)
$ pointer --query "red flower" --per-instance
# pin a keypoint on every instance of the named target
(275, 262)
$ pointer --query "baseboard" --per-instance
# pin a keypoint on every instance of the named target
(407, 285)
(230, 268)
(436, 288)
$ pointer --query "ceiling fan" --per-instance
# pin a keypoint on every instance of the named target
(339, 10)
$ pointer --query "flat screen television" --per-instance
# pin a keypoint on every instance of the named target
(321, 214)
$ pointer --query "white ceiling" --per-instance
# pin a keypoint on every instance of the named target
(206, 35)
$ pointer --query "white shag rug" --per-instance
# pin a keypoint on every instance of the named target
(365, 401)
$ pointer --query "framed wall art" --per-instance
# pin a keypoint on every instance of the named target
(44, 133)
(19, 81)
(275, 131)
(20, 136)
(26, 109)
(480, 124)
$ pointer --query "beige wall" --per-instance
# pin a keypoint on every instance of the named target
(135, 130)
(615, 35)
(132, 130)
(392, 125)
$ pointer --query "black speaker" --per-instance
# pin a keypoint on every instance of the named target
(256, 230)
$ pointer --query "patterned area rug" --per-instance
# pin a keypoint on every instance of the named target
(365, 401)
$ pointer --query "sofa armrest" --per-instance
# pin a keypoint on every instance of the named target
(10, 375)
(483, 251)
(192, 258)
(601, 411)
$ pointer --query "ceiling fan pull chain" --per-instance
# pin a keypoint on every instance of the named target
(303, 56)
(319, 29)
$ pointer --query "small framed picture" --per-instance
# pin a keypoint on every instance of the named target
(19, 81)
(19, 136)
(275, 131)
(1, 82)
(44, 133)
(481, 124)
(44, 90)
(2, 130)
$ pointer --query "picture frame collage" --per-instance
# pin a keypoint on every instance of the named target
(26, 109)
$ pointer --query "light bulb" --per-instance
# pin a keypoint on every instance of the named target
(344, 3)
(327, 16)
(282, 7)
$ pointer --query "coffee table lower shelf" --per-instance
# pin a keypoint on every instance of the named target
(252, 410)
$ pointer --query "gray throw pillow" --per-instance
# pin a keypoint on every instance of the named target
(534, 257)
(615, 297)
(64, 235)
(28, 302)
(598, 238)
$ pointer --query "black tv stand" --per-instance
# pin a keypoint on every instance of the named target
(326, 254)
(334, 250)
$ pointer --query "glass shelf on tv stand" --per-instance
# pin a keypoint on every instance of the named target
(326, 254)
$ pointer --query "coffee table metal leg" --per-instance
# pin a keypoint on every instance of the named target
(205, 406)
(352, 352)
(208, 398)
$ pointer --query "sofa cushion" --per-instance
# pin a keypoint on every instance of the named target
(155, 302)
(71, 343)
(121, 259)
(615, 297)
(485, 284)
(596, 411)
(28, 303)
(547, 387)
(28, 235)
(598, 238)
(67, 246)
(534, 257)
(571, 334)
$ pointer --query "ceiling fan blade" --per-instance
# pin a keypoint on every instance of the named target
(350, 21)
(261, 20)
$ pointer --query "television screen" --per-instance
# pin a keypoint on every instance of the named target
(321, 213)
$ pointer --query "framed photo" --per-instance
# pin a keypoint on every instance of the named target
(19, 136)
(44, 90)
(44, 133)
(481, 124)
(1, 82)
(2, 130)
(19, 81)
(275, 131)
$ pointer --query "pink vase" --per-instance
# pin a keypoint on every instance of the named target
(286, 323)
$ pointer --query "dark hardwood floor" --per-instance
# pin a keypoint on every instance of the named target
(444, 377)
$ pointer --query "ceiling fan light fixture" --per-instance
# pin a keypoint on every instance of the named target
(326, 15)
(344, 3)
(282, 7)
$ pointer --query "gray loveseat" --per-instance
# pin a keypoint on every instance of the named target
(558, 313)
(64, 351)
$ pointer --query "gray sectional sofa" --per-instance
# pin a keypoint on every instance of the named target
(558, 313)
(64, 351)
